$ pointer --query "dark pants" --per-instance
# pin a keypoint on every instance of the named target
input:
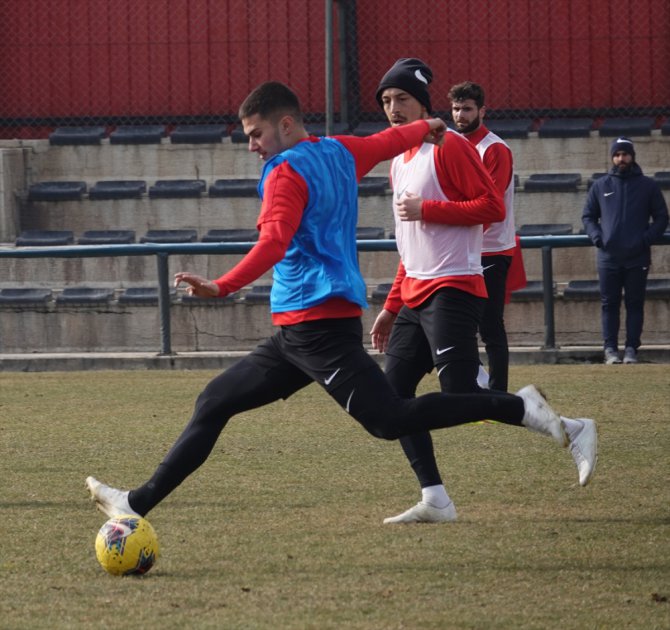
(492, 329)
(633, 283)
(448, 320)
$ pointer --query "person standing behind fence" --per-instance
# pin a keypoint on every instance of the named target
(625, 213)
(499, 244)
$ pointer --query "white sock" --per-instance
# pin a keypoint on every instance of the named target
(482, 377)
(435, 495)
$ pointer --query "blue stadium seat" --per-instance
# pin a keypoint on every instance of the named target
(662, 178)
(319, 129)
(544, 229)
(259, 294)
(234, 188)
(614, 127)
(566, 128)
(56, 191)
(198, 134)
(534, 290)
(665, 128)
(231, 236)
(21, 296)
(658, 287)
(170, 236)
(45, 238)
(380, 293)
(237, 136)
(369, 233)
(593, 178)
(107, 237)
(142, 295)
(63, 136)
(582, 290)
(85, 295)
(206, 301)
(137, 134)
(371, 186)
(553, 182)
(118, 189)
(511, 128)
(177, 189)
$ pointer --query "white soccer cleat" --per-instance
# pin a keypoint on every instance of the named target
(584, 447)
(425, 513)
(539, 416)
(109, 501)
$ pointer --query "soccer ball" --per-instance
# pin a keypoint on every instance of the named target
(127, 545)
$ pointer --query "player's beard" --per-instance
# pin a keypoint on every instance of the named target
(470, 127)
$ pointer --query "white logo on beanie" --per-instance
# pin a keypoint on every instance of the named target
(418, 75)
(619, 140)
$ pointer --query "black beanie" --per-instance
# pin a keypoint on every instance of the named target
(411, 75)
(622, 144)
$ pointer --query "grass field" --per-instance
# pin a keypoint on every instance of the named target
(282, 527)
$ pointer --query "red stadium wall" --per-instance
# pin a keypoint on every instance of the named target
(170, 58)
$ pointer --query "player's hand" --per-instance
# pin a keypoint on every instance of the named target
(381, 330)
(408, 207)
(198, 286)
(437, 130)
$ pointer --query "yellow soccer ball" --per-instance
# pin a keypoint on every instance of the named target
(127, 545)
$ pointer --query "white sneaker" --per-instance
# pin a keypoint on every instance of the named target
(584, 448)
(425, 513)
(539, 416)
(109, 501)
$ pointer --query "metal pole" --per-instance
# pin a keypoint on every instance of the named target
(164, 302)
(548, 298)
(329, 67)
(342, 48)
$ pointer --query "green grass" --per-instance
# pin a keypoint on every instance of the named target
(281, 528)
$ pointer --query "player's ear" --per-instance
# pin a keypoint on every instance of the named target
(286, 124)
(482, 112)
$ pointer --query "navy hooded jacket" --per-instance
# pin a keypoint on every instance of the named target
(624, 214)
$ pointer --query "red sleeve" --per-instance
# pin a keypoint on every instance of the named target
(498, 162)
(285, 196)
(393, 300)
(473, 198)
(368, 151)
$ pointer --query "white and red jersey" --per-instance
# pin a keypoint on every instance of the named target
(432, 250)
(443, 248)
(497, 158)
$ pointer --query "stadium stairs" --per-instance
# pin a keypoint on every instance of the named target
(200, 186)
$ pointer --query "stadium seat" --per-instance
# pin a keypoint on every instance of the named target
(198, 134)
(665, 128)
(64, 136)
(369, 233)
(259, 293)
(662, 178)
(234, 188)
(319, 129)
(84, 295)
(613, 127)
(56, 191)
(137, 134)
(566, 128)
(544, 229)
(170, 236)
(368, 128)
(553, 182)
(658, 287)
(177, 189)
(118, 189)
(237, 136)
(230, 236)
(534, 290)
(24, 296)
(45, 238)
(208, 301)
(371, 186)
(593, 178)
(510, 128)
(582, 290)
(142, 295)
(107, 237)
(380, 293)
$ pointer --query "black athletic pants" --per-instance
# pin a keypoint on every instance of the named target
(331, 353)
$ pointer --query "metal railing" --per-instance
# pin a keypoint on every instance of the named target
(162, 252)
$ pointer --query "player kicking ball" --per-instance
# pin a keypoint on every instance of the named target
(307, 227)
